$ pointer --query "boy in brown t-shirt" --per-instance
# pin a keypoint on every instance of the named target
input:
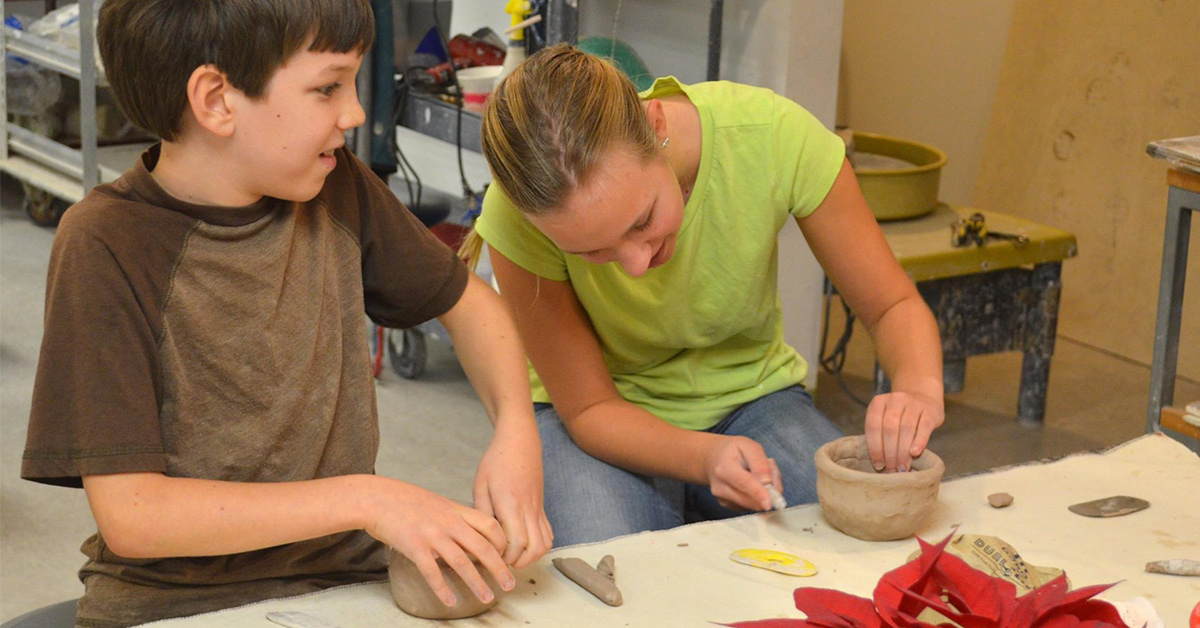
(204, 373)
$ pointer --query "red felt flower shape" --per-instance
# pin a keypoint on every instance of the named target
(964, 596)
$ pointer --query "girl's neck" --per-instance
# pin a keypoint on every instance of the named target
(683, 152)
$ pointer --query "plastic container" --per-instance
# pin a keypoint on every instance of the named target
(476, 84)
(904, 192)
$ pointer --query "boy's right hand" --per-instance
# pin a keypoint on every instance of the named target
(737, 468)
(425, 526)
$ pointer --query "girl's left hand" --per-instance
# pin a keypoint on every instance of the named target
(898, 428)
(508, 486)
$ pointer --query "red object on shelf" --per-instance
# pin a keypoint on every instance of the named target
(948, 585)
(1194, 622)
(467, 52)
(478, 51)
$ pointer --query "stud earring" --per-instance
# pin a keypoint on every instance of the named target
(665, 142)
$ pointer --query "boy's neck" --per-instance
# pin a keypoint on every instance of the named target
(195, 173)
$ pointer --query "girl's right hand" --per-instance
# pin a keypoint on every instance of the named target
(425, 526)
(737, 468)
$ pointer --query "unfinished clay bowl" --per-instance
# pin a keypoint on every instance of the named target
(870, 505)
(413, 595)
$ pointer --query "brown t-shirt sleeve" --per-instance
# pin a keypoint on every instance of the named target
(95, 398)
(409, 276)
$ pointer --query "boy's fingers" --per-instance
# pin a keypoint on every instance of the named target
(462, 565)
(537, 546)
(487, 526)
(547, 531)
(515, 532)
(432, 573)
(490, 559)
(483, 502)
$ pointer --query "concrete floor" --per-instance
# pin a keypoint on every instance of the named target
(434, 429)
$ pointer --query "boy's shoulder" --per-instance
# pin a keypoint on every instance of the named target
(115, 215)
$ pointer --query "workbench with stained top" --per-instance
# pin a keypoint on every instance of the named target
(998, 296)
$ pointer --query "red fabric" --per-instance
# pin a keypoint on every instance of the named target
(964, 595)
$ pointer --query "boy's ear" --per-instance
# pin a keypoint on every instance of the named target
(657, 118)
(208, 92)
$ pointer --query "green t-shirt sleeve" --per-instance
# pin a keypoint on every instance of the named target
(503, 227)
(808, 157)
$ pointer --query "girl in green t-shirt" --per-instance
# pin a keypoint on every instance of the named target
(635, 240)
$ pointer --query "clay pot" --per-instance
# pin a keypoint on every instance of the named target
(413, 595)
(869, 505)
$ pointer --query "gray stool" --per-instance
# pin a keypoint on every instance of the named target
(61, 615)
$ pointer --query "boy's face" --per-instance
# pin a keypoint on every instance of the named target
(284, 141)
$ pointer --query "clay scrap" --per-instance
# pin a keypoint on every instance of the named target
(1175, 567)
(600, 580)
(1000, 500)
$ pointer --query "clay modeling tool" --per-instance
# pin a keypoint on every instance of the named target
(1115, 506)
(1175, 567)
(600, 580)
(296, 619)
(771, 560)
(777, 500)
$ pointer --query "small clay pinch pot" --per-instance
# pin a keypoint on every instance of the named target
(871, 505)
(413, 595)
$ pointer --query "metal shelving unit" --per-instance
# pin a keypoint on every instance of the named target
(62, 171)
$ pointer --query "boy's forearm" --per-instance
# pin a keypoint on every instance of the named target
(488, 346)
(149, 515)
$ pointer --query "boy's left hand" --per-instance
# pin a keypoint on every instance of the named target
(508, 486)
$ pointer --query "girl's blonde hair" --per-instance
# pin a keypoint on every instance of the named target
(549, 123)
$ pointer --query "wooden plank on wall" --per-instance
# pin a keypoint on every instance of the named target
(1085, 85)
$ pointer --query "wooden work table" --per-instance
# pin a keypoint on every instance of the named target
(683, 577)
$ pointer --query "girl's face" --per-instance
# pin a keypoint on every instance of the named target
(629, 212)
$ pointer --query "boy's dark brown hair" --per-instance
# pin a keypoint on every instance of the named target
(151, 47)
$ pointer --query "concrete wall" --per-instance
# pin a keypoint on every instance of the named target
(1044, 110)
(926, 70)
(1086, 85)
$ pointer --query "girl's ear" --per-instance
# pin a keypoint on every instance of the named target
(657, 117)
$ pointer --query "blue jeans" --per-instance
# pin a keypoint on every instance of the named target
(589, 500)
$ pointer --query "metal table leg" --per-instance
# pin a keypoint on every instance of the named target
(1180, 205)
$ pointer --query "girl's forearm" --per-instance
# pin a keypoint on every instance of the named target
(909, 347)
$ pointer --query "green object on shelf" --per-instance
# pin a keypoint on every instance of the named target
(623, 56)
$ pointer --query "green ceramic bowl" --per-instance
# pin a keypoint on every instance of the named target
(895, 193)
